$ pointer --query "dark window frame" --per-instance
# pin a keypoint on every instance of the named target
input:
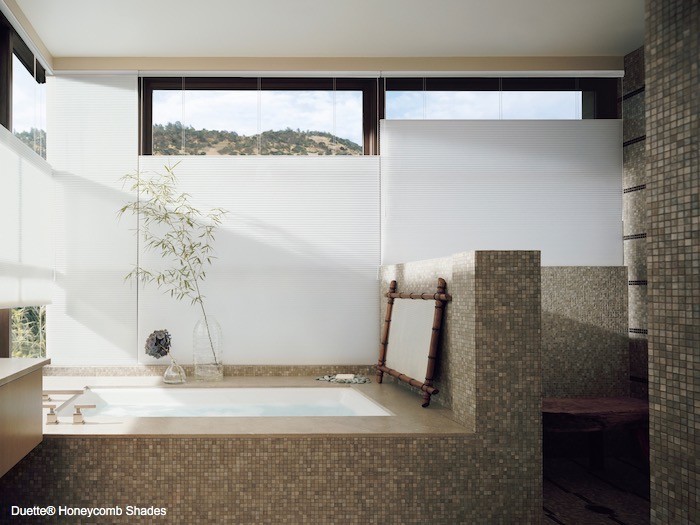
(11, 44)
(599, 100)
(368, 87)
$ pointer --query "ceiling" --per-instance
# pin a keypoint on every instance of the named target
(333, 28)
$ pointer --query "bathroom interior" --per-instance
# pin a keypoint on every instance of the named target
(542, 167)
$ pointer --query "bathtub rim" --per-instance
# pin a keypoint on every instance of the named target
(408, 419)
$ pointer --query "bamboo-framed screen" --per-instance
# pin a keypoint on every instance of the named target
(411, 336)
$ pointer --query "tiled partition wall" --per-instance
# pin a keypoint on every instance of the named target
(634, 207)
(584, 331)
(490, 474)
(673, 172)
(490, 352)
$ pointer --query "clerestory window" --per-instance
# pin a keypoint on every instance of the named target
(327, 116)
(22, 90)
(254, 116)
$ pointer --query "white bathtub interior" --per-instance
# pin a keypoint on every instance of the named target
(223, 402)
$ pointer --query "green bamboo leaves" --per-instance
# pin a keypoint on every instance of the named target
(170, 226)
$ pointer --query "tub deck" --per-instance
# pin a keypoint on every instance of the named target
(408, 416)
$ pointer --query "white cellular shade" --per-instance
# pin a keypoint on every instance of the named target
(26, 200)
(295, 279)
(454, 186)
(92, 142)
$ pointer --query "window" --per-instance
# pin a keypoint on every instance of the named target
(442, 105)
(251, 116)
(28, 107)
(22, 93)
(325, 116)
(22, 110)
(504, 98)
(28, 331)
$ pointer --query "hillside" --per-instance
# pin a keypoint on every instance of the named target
(167, 140)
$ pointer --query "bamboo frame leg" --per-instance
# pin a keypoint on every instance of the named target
(434, 338)
(384, 341)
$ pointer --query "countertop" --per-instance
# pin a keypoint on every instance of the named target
(12, 368)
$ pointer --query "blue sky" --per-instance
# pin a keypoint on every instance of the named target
(490, 105)
(28, 99)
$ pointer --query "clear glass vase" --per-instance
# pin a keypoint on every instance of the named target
(208, 350)
(174, 374)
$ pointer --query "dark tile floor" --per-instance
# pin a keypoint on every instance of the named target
(576, 495)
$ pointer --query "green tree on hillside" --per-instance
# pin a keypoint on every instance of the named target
(168, 140)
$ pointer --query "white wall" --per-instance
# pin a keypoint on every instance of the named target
(461, 185)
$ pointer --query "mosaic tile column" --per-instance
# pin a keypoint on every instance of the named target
(672, 48)
(634, 206)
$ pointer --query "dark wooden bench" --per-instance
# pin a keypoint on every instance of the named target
(594, 416)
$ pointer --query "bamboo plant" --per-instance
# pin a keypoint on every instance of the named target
(178, 232)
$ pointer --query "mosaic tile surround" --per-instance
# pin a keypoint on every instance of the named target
(635, 213)
(489, 369)
(584, 331)
(291, 480)
(491, 476)
(672, 43)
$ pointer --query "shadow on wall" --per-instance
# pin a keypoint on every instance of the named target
(584, 331)
(93, 310)
(268, 288)
(582, 360)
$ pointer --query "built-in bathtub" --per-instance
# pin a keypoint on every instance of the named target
(120, 402)
(259, 406)
(478, 461)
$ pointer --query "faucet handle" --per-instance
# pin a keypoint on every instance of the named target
(51, 417)
(78, 415)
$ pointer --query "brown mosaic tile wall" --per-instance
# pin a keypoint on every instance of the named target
(293, 480)
(634, 205)
(508, 345)
(584, 331)
(673, 170)
(489, 371)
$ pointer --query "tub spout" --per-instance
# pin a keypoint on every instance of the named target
(78, 415)
(51, 417)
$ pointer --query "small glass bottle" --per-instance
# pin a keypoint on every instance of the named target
(174, 374)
